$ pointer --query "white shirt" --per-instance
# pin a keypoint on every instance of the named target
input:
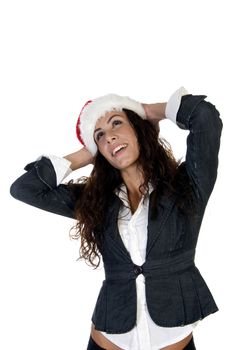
(146, 335)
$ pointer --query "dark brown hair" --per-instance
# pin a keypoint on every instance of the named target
(93, 193)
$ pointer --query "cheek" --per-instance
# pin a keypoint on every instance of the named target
(136, 145)
(100, 147)
(103, 151)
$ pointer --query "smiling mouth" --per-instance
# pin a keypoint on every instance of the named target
(118, 150)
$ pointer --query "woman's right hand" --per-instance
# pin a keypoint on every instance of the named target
(80, 158)
(155, 112)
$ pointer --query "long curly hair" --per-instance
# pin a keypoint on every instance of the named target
(93, 193)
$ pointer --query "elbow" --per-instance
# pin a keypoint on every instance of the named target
(19, 191)
(16, 191)
(206, 118)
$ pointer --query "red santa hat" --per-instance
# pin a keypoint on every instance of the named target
(94, 109)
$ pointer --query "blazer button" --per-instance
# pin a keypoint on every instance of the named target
(137, 270)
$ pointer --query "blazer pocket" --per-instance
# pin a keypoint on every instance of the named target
(121, 305)
(165, 302)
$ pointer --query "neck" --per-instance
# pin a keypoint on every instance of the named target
(133, 178)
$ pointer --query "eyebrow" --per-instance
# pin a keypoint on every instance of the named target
(108, 121)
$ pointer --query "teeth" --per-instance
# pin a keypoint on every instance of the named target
(118, 149)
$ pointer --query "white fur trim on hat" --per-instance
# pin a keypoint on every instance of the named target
(97, 108)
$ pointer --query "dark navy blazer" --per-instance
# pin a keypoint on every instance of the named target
(176, 293)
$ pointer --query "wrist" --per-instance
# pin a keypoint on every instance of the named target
(155, 111)
(79, 158)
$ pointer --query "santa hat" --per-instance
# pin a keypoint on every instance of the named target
(94, 109)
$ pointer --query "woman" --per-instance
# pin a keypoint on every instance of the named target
(141, 211)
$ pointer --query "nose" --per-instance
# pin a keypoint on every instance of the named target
(110, 137)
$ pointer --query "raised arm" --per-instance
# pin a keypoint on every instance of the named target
(40, 186)
(201, 118)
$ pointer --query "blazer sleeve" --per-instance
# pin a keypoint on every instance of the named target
(38, 187)
(202, 120)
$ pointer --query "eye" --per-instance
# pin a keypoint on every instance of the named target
(116, 122)
(99, 135)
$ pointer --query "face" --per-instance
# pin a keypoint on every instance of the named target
(116, 140)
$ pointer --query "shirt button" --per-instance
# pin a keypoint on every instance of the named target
(137, 270)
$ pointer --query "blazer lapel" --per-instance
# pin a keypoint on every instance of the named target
(156, 224)
(112, 226)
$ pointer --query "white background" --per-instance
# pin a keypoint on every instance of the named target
(55, 55)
